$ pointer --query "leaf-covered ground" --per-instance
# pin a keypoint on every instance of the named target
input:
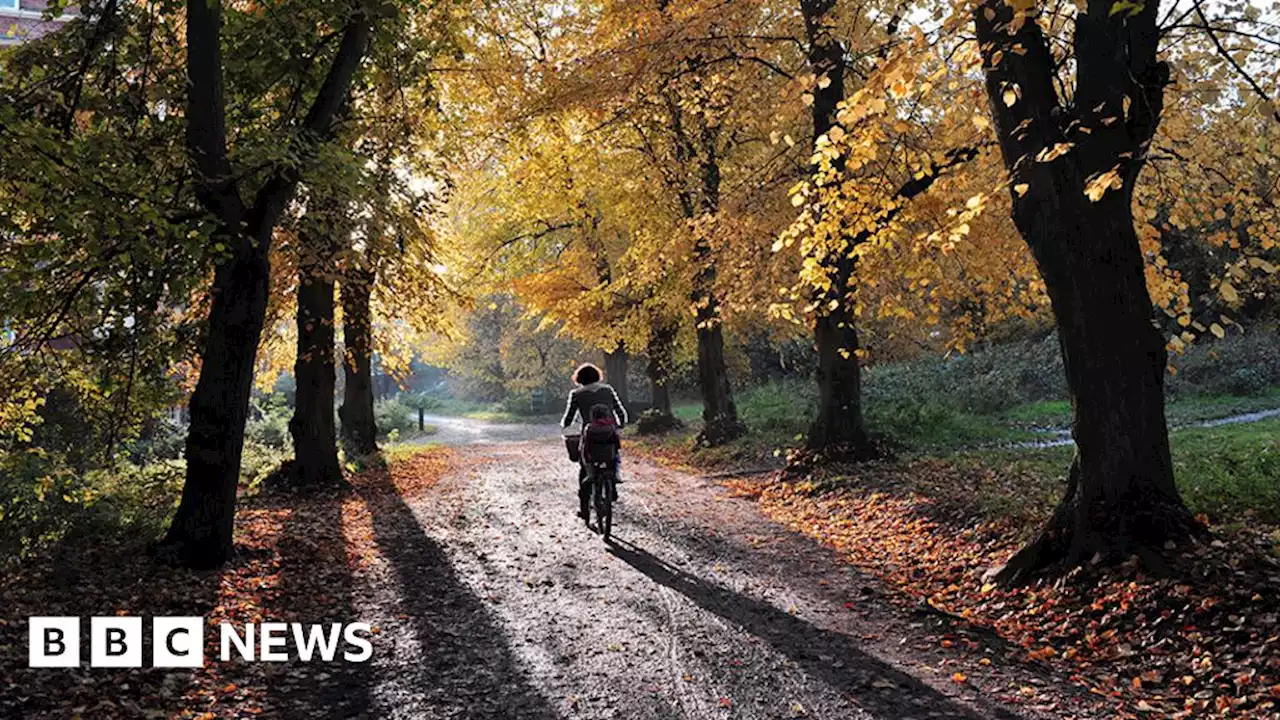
(489, 600)
(296, 561)
(1206, 644)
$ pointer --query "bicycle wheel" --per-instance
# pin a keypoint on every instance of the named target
(604, 510)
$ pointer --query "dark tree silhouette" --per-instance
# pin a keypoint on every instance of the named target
(1121, 498)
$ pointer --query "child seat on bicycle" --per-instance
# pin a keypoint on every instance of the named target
(601, 441)
(601, 446)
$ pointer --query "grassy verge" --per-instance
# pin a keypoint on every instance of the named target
(1226, 472)
(1179, 410)
(930, 527)
(776, 414)
(1229, 472)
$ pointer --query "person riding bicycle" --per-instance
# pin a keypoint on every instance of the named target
(602, 440)
(591, 391)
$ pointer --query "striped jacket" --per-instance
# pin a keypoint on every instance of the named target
(582, 399)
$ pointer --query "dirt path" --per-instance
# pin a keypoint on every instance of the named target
(496, 602)
(1061, 436)
(452, 430)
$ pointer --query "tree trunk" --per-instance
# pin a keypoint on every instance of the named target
(200, 535)
(1121, 498)
(661, 352)
(315, 447)
(661, 401)
(359, 430)
(719, 413)
(422, 419)
(615, 371)
(838, 427)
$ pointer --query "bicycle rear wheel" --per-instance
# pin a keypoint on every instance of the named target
(604, 508)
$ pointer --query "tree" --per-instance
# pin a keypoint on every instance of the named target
(359, 428)
(312, 425)
(1073, 167)
(838, 425)
(97, 257)
(200, 534)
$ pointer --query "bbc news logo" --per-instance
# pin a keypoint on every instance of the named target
(178, 642)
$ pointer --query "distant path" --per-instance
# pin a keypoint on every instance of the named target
(452, 430)
(703, 609)
(1058, 437)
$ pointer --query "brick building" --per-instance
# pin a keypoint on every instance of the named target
(22, 20)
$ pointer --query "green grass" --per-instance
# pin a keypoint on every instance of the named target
(503, 416)
(1179, 410)
(1186, 410)
(778, 414)
(687, 411)
(487, 412)
(1228, 472)
(1224, 471)
(1046, 413)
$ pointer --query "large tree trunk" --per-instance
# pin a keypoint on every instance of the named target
(615, 371)
(661, 351)
(1121, 498)
(315, 446)
(359, 430)
(719, 413)
(838, 427)
(200, 534)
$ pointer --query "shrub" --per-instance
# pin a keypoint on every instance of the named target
(1237, 365)
(394, 416)
(656, 422)
(269, 423)
(1241, 382)
(42, 500)
(161, 440)
(908, 417)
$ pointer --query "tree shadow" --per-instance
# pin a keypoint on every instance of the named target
(462, 665)
(316, 586)
(87, 576)
(875, 685)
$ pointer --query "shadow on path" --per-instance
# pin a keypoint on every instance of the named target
(878, 687)
(464, 667)
(316, 587)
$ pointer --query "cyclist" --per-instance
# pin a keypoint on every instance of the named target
(590, 391)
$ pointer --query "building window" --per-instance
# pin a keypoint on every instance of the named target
(10, 4)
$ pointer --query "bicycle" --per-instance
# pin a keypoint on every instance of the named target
(604, 491)
(601, 472)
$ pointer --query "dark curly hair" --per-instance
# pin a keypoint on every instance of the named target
(586, 374)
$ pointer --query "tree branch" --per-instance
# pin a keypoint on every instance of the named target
(1275, 112)
(275, 193)
(206, 111)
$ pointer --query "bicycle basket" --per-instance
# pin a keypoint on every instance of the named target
(573, 444)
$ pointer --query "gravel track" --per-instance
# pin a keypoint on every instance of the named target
(496, 602)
